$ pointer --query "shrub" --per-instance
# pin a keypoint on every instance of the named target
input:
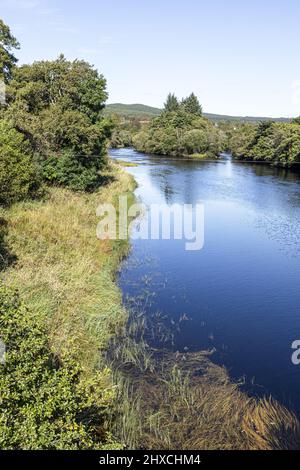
(273, 142)
(195, 141)
(44, 404)
(18, 174)
(58, 106)
(80, 173)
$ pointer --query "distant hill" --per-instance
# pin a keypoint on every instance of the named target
(132, 110)
(147, 112)
(223, 117)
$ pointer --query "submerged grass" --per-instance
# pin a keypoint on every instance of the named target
(185, 401)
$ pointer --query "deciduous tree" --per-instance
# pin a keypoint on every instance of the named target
(8, 43)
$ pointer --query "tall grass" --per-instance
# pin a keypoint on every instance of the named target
(63, 272)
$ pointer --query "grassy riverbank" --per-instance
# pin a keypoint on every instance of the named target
(63, 272)
(64, 277)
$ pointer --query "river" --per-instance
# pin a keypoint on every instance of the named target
(240, 293)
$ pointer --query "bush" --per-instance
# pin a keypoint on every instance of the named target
(44, 404)
(18, 174)
(80, 173)
(195, 141)
(239, 138)
(121, 138)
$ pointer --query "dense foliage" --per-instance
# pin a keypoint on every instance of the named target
(180, 130)
(57, 106)
(273, 142)
(44, 403)
(18, 174)
(124, 131)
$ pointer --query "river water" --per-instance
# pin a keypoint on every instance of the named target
(240, 293)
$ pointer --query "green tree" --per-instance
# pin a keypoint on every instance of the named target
(7, 45)
(179, 133)
(172, 103)
(240, 136)
(191, 105)
(73, 85)
(195, 141)
(18, 175)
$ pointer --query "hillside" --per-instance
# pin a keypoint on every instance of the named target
(144, 111)
(223, 117)
(132, 110)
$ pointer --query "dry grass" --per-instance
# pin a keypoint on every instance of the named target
(126, 164)
(63, 272)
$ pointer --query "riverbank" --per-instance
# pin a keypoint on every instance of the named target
(65, 277)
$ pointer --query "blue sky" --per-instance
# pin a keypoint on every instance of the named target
(239, 57)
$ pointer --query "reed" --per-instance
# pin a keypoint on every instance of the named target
(185, 401)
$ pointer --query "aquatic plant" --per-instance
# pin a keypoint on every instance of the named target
(175, 400)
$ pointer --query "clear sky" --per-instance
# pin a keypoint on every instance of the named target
(240, 57)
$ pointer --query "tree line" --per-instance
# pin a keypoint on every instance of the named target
(277, 143)
(181, 130)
